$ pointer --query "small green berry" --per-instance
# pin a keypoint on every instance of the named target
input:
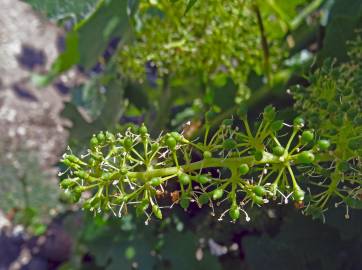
(243, 169)
(67, 183)
(229, 144)
(278, 150)
(298, 194)
(257, 199)
(323, 144)
(234, 212)
(305, 157)
(307, 136)
(203, 179)
(258, 155)
(110, 137)
(72, 196)
(128, 143)
(207, 154)
(171, 142)
(155, 146)
(259, 190)
(101, 137)
(156, 181)
(143, 130)
(176, 135)
(123, 171)
(217, 194)
(94, 141)
(184, 179)
(298, 122)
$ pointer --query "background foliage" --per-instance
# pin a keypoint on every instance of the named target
(167, 62)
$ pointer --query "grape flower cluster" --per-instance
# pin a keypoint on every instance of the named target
(332, 104)
(133, 170)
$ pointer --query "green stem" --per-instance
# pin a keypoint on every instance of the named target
(206, 163)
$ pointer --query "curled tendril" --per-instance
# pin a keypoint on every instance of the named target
(133, 170)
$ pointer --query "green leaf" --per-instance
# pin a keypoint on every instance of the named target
(190, 4)
(60, 9)
(109, 20)
(70, 56)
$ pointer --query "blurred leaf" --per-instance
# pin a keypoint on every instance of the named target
(180, 249)
(302, 244)
(137, 95)
(190, 4)
(109, 20)
(81, 129)
(345, 19)
(26, 188)
(59, 9)
(223, 94)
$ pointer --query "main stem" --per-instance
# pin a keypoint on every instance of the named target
(230, 163)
